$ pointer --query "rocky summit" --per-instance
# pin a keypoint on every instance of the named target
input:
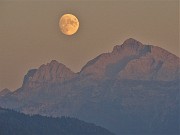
(133, 60)
(53, 72)
(132, 90)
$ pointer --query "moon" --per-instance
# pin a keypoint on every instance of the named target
(68, 24)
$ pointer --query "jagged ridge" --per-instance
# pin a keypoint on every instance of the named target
(131, 60)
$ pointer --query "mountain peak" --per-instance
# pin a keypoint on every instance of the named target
(130, 41)
(130, 44)
(134, 60)
(54, 63)
(52, 72)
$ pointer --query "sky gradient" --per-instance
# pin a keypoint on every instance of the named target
(30, 34)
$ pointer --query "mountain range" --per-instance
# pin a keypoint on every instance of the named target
(132, 90)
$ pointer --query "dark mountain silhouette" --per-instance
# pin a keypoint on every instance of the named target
(14, 123)
(132, 90)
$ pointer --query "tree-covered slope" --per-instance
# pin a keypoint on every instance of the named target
(14, 123)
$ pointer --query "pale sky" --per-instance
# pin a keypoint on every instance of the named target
(30, 35)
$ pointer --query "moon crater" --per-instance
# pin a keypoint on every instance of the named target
(69, 24)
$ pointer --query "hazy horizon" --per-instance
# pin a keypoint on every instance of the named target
(30, 34)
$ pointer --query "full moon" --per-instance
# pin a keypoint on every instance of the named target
(68, 24)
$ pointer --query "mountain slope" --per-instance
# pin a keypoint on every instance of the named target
(133, 60)
(12, 122)
(132, 90)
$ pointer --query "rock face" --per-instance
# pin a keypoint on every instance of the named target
(132, 90)
(53, 72)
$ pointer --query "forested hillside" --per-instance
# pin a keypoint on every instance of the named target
(14, 123)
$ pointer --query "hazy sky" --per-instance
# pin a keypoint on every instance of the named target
(30, 35)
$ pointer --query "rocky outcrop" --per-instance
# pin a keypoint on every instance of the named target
(50, 73)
